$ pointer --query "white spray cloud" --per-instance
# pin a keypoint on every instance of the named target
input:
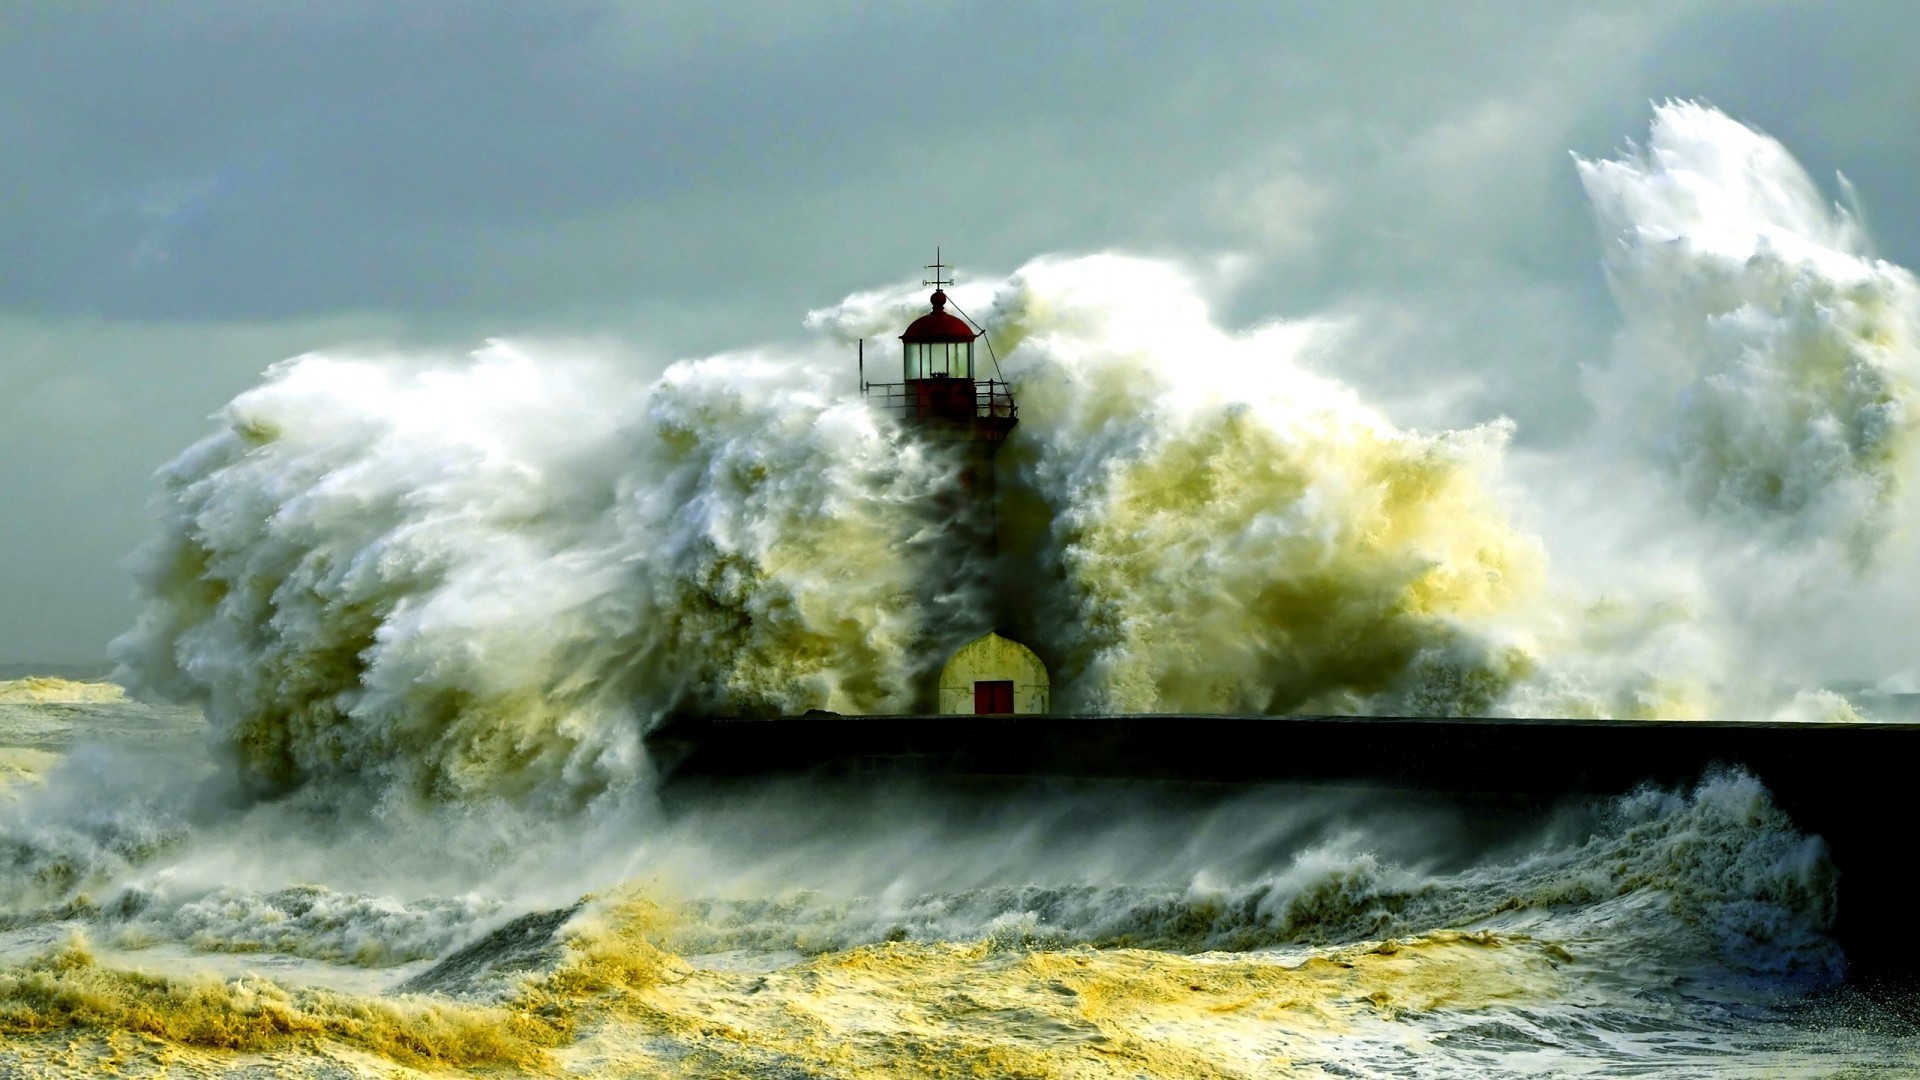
(1753, 443)
(485, 578)
(1768, 362)
(1235, 533)
(480, 578)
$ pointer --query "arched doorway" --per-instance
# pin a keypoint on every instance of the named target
(991, 674)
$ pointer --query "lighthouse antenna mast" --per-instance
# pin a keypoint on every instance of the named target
(936, 266)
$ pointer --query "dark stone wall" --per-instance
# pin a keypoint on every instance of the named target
(1850, 784)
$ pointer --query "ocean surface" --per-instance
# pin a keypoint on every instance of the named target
(154, 921)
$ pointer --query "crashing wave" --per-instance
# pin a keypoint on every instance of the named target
(1769, 361)
(464, 579)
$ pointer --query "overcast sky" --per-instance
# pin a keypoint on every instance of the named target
(191, 191)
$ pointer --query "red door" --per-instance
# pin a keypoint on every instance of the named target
(993, 697)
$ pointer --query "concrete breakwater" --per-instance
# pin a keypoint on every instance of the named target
(1849, 783)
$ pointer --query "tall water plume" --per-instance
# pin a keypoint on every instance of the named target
(1768, 361)
(1229, 531)
(1759, 407)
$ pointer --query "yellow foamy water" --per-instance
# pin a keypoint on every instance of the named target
(618, 1004)
(45, 690)
(21, 766)
(68, 989)
(903, 1009)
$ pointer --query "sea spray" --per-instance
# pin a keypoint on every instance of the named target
(1053, 926)
(440, 599)
(1768, 362)
(1751, 458)
(1733, 882)
(1238, 566)
(1199, 523)
(92, 820)
(485, 577)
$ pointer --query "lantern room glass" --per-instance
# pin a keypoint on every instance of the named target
(939, 359)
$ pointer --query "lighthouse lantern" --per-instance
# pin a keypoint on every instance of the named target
(938, 345)
(939, 390)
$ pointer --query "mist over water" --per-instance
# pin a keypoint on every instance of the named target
(418, 612)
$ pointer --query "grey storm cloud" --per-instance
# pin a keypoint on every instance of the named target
(267, 161)
(191, 191)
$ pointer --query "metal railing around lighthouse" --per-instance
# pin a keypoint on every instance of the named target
(946, 399)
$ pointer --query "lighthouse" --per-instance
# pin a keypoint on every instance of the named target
(942, 397)
(940, 391)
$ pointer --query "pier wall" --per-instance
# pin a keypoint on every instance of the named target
(1851, 784)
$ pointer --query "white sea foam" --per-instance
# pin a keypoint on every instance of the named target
(485, 577)
(1750, 466)
(1769, 361)
(467, 578)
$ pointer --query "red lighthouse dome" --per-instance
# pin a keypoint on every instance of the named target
(937, 325)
